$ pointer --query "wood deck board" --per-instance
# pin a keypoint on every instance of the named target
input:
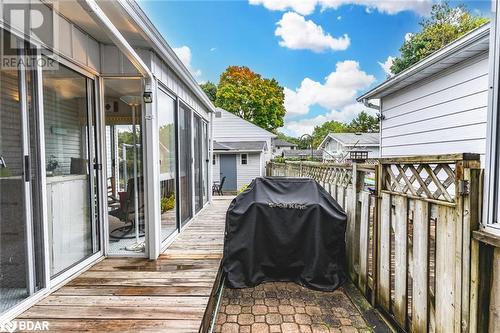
(139, 295)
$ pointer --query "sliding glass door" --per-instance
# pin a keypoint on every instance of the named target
(185, 165)
(70, 168)
(198, 163)
(168, 161)
(205, 161)
(125, 171)
(21, 246)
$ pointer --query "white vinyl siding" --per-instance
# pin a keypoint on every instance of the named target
(216, 168)
(170, 80)
(245, 173)
(248, 172)
(231, 128)
(445, 113)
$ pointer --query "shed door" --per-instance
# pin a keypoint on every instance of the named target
(228, 170)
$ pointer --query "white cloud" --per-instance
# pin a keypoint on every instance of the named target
(339, 18)
(213, 49)
(408, 35)
(297, 33)
(345, 114)
(339, 89)
(306, 7)
(184, 54)
(386, 65)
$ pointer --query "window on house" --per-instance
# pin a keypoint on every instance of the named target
(214, 159)
(244, 159)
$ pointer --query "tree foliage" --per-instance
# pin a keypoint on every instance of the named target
(210, 90)
(252, 97)
(444, 25)
(333, 126)
(363, 123)
(290, 139)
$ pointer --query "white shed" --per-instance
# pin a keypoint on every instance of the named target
(439, 105)
(240, 150)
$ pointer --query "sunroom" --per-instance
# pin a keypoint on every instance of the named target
(104, 143)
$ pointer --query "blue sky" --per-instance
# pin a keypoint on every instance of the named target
(324, 52)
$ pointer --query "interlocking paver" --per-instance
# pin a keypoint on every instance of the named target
(282, 307)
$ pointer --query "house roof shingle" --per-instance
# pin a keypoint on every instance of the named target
(350, 139)
(240, 146)
(283, 143)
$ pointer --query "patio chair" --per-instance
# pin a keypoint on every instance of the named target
(217, 187)
(126, 212)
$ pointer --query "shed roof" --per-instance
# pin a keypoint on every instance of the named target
(302, 152)
(240, 146)
(283, 143)
(467, 46)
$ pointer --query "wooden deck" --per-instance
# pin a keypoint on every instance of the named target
(170, 294)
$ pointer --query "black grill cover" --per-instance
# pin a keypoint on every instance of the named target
(285, 229)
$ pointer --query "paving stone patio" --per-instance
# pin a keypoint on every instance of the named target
(288, 308)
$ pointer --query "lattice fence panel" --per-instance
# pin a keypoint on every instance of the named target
(431, 181)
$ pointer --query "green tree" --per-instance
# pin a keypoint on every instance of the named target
(333, 126)
(287, 138)
(364, 123)
(252, 97)
(444, 25)
(210, 90)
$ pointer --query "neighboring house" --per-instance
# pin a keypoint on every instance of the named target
(336, 146)
(240, 150)
(114, 132)
(302, 154)
(439, 105)
(279, 146)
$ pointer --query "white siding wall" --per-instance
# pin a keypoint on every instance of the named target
(232, 128)
(216, 169)
(443, 114)
(168, 78)
(247, 173)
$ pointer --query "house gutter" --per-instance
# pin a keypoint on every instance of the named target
(152, 172)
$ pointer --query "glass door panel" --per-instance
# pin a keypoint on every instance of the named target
(185, 160)
(198, 173)
(69, 164)
(205, 161)
(21, 253)
(125, 185)
(167, 129)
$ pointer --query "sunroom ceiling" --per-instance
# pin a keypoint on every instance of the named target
(72, 11)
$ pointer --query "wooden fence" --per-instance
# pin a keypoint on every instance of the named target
(408, 237)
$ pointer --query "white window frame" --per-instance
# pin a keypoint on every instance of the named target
(246, 159)
(491, 217)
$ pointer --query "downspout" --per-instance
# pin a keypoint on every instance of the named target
(151, 169)
(370, 105)
(380, 117)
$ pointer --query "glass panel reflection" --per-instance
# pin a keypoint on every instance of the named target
(166, 124)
